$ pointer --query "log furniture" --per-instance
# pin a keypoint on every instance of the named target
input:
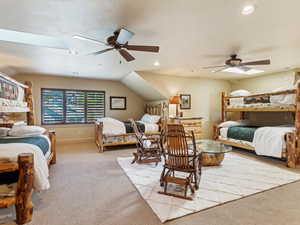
(22, 199)
(192, 124)
(178, 158)
(148, 147)
(292, 154)
(103, 140)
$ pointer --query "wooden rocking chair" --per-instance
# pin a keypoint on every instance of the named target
(22, 197)
(178, 158)
(148, 147)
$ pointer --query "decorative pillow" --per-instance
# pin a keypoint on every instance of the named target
(234, 123)
(4, 131)
(240, 93)
(146, 118)
(26, 131)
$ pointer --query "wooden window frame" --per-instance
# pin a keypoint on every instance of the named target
(64, 105)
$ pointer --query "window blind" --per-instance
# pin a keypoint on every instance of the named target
(72, 106)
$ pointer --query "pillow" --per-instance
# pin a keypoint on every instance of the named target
(4, 131)
(26, 131)
(155, 118)
(234, 123)
(240, 93)
(146, 118)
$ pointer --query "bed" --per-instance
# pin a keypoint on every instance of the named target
(262, 140)
(111, 132)
(24, 160)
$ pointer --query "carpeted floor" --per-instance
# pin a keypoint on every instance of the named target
(89, 188)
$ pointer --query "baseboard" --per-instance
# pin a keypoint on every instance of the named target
(75, 140)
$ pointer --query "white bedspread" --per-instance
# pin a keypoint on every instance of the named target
(41, 173)
(269, 141)
(112, 126)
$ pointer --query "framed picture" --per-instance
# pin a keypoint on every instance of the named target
(185, 101)
(117, 103)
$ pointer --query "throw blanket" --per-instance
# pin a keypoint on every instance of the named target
(10, 152)
(244, 133)
(129, 128)
(39, 141)
(269, 141)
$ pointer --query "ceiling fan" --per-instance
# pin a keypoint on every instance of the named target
(236, 62)
(119, 41)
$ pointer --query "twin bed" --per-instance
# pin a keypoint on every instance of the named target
(276, 141)
(24, 157)
(111, 132)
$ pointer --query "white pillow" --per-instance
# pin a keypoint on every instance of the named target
(234, 123)
(240, 93)
(26, 131)
(146, 118)
(155, 118)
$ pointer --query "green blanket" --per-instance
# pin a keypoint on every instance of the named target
(244, 133)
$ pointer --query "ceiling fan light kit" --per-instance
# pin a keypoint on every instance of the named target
(119, 41)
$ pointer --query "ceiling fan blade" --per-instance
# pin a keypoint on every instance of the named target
(126, 55)
(124, 36)
(259, 62)
(102, 51)
(32, 39)
(142, 48)
(218, 70)
(89, 39)
(212, 67)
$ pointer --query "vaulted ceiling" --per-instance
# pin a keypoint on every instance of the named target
(192, 34)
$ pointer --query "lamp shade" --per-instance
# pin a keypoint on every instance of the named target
(175, 100)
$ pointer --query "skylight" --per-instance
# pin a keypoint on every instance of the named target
(240, 71)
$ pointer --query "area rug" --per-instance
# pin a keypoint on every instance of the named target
(236, 178)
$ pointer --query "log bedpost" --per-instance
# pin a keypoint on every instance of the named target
(297, 132)
(24, 206)
(223, 116)
(29, 100)
(99, 136)
(52, 137)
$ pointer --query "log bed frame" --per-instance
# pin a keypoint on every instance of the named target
(22, 199)
(292, 154)
(152, 109)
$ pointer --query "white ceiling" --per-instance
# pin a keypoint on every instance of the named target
(191, 34)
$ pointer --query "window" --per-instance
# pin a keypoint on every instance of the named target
(72, 106)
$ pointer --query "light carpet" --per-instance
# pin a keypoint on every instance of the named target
(236, 178)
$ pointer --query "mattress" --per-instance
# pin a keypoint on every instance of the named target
(286, 100)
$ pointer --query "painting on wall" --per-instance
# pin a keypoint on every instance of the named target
(185, 101)
(117, 103)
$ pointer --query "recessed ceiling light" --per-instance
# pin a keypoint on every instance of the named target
(240, 71)
(248, 9)
(156, 63)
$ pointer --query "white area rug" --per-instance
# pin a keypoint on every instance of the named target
(236, 178)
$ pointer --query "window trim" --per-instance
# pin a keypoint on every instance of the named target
(64, 105)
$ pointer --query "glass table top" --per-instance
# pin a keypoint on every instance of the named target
(210, 146)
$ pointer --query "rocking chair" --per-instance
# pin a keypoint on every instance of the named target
(148, 148)
(178, 158)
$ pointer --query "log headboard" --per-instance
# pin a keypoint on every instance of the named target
(156, 109)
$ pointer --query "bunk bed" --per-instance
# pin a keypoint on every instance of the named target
(277, 101)
(21, 160)
(128, 137)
